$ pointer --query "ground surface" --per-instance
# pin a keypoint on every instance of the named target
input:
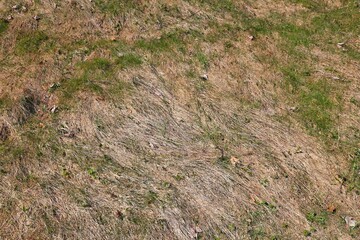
(110, 130)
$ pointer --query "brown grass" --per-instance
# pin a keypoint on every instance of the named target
(142, 151)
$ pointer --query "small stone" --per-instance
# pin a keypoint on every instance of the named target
(15, 7)
(54, 109)
(9, 18)
(293, 109)
(204, 77)
(67, 132)
(54, 86)
(234, 161)
(157, 93)
(153, 145)
(37, 18)
(331, 208)
(341, 45)
(350, 221)
(251, 37)
(298, 150)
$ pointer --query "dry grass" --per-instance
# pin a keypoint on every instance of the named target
(107, 130)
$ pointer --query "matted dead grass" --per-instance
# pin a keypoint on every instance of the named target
(171, 156)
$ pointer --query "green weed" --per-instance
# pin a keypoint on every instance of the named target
(257, 233)
(203, 60)
(93, 172)
(353, 179)
(224, 161)
(179, 177)
(30, 42)
(267, 205)
(151, 197)
(307, 233)
(317, 218)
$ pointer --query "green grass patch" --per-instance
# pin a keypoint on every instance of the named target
(294, 76)
(151, 197)
(338, 25)
(203, 60)
(98, 69)
(129, 60)
(221, 31)
(91, 72)
(93, 172)
(316, 107)
(72, 86)
(353, 53)
(165, 43)
(5, 102)
(30, 42)
(116, 7)
(256, 25)
(3, 26)
(33, 143)
(222, 5)
(257, 233)
(294, 35)
(99, 77)
(310, 4)
(101, 64)
(338, 21)
(307, 233)
(317, 100)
